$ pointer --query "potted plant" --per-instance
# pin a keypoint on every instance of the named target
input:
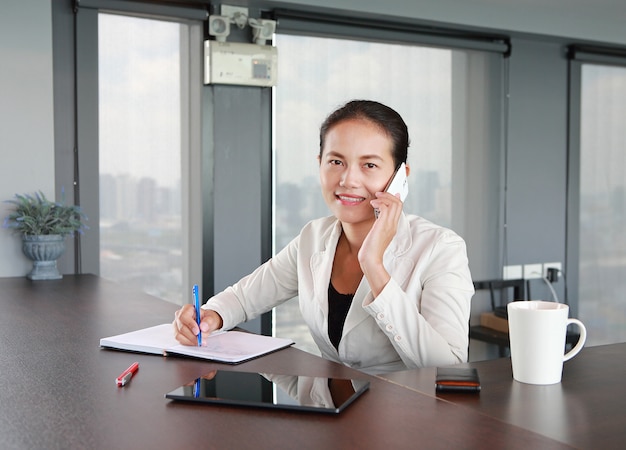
(43, 226)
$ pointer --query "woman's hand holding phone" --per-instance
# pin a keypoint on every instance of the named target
(388, 207)
(398, 185)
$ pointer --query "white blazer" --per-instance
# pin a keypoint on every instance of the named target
(420, 318)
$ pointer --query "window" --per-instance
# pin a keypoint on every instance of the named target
(602, 261)
(144, 152)
(443, 95)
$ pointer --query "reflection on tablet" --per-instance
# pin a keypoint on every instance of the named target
(304, 393)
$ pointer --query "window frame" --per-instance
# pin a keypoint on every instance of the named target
(579, 56)
(76, 137)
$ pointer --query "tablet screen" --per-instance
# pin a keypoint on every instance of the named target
(304, 393)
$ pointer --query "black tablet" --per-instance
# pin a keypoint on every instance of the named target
(291, 392)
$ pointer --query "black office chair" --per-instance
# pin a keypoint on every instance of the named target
(508, 290)
(501, 292)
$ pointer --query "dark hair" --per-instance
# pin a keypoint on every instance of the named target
(387, 119)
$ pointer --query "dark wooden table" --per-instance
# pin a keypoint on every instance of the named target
(57, 388)
(586, 410)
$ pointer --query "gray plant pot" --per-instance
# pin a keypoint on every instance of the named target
(44, 251)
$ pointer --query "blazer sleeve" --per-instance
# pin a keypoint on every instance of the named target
(427, 320)
(271, 284)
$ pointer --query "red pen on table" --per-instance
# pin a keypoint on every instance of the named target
(125, 376)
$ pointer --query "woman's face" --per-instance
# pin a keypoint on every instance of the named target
(356, 162)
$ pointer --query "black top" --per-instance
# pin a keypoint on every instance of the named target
(338, 306)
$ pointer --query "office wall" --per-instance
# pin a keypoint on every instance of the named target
(242, 160)
(537, 158)
(26, 114)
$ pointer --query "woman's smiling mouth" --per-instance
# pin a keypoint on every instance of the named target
(349, 199)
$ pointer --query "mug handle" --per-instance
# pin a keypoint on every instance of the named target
(581, 340)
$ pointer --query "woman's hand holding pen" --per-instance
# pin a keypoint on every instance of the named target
(378, 239)
(186, 329)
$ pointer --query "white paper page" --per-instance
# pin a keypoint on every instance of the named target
(232, 346)
(148, 340)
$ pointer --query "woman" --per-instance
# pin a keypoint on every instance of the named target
(379, 293)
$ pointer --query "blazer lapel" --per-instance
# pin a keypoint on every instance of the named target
(321, 267)
(356, 313)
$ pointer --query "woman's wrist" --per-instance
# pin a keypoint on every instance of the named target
(377, 276)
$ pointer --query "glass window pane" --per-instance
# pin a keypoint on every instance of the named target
(140, 154)
(427, 86)
(603, 204)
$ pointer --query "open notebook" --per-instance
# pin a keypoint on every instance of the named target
(231, 347)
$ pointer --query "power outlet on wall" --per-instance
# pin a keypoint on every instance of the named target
(552, 277)
(532, 271)
(512, 272)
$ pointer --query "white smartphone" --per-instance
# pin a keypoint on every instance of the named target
(398, 184)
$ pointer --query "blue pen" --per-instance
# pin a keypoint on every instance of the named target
(196, 302)
(196, 387)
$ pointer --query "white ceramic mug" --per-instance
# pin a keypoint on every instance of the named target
(537, 331)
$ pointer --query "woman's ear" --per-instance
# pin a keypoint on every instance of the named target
(408, 169)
